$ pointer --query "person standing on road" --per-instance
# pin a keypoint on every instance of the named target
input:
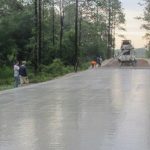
(23, 74)
(93, 63)
(16, 74)
(99, 61)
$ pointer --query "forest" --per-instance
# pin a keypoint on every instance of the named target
(146, 22)
(50, 33)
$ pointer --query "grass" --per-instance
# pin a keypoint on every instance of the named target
(6, 87)
(56, 69)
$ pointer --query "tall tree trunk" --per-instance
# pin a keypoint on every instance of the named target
(42, 26)
(97, 23)
(109, 30)
(53, 26)
(61, 26)
(36, 36)
(114, 34)
(40, 31)
(80, 28)
(76, 38)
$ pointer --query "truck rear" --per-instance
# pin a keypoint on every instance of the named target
(127, 56)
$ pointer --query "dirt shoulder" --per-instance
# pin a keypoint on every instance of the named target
(141, 63)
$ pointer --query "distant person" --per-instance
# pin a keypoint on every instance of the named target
(16, 74)
(23, 74)
(99, 61)
(93, 64)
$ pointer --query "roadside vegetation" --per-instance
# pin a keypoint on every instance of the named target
(56, 37)
(48, 72)
(145, 18)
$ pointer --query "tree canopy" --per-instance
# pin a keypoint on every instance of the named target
(39, 31)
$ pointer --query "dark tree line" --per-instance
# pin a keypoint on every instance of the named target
(74, 31)
(145, 18)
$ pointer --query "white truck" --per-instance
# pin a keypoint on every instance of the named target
(127, 56)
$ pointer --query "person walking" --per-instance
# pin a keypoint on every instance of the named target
(23, 74)
(16, 74)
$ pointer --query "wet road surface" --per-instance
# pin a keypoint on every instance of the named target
(99, 109)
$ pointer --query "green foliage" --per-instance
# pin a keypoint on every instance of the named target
(68, 53)
(5, 72)
(17, 30)
(84, 66)
(6, 75)
(57, 68)
(40, 77)
(18, 35)
(148, 53)
(145, 18)
(15, 33)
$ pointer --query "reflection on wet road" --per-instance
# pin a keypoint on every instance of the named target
(101, 109)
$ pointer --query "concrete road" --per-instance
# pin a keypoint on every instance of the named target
(99, 109)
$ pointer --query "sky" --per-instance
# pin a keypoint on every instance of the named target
(132, 25)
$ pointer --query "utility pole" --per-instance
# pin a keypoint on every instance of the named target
(76, 39)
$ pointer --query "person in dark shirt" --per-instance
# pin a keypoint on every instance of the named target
(23, 74)
(99, 61)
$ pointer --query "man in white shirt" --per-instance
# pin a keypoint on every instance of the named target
(16, 74)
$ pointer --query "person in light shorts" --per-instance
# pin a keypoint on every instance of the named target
(23, 74)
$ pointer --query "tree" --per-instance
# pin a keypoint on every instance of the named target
(35, 54)
(115, 18)
(146, 23)
(76, 39)
(146, 19)
(61, 25)
(14, 32)
(40, 31)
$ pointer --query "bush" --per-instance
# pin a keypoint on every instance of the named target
(6, 72)
(57, 68)
(40, 77)
(148, 54)
(84, 66)
(6, 76)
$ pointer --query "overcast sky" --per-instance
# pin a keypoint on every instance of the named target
(133, 31)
